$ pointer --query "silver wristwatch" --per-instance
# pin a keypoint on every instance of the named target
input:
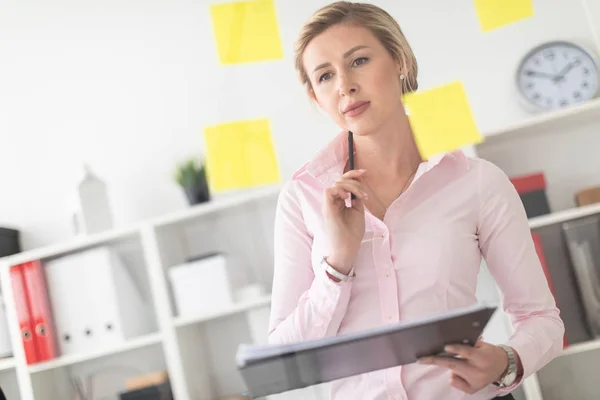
(335, 273)
(510, 375)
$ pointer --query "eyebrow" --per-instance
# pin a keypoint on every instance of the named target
(346, 55)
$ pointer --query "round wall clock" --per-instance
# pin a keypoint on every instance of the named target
(556, 75)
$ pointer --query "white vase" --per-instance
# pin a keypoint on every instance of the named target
(92, 206)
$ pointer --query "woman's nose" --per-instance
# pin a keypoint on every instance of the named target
(347, 86)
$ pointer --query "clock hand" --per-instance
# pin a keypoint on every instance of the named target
(566, 69)
(530, 72)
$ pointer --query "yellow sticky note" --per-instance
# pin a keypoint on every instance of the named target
(246, 31)
(441, 119)
(497, 13)
(240, 155)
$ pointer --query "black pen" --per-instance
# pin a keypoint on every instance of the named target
(351, 156)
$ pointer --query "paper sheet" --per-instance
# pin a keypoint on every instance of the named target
(494, 14)
(441, 119)
(240, 155)
(246, 31)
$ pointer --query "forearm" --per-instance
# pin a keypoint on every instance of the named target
(537, 341)
(318, 313)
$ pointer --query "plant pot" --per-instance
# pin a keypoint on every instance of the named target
(197, 194)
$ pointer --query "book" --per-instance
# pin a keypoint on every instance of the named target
(272, 369)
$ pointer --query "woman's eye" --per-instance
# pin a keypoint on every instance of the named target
(360, 61)
(324, 77)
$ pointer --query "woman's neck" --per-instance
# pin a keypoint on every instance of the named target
(389, 154)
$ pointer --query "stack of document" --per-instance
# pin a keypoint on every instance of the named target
(279, 368)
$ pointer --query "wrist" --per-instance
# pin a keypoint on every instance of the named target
(336, 275)
(510, 373)
(340, 263)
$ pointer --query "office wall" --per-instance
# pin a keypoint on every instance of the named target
(129, 86)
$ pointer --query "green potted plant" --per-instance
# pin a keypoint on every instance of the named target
(191, 176)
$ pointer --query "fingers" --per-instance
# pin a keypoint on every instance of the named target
(341, 192)
(352, 187)
(474, 367)
(461, 384)
(346, 185)
(462, 350)
(461, 367)
(354, 174)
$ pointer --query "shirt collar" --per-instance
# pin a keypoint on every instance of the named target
(328, 164)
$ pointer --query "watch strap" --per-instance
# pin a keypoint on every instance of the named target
(335, 273)
(510, 375)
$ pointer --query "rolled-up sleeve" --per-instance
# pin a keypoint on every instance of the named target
(508, 248)
(305, 305)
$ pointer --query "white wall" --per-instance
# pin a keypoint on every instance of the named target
(129, 86)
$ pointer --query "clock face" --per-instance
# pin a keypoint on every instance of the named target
(557, 75)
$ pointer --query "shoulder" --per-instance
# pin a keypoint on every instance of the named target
(493, 184)
(293, 191)
(487, 172)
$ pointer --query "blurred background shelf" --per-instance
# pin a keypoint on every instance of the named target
(237, 308)
(217, 205)
(564, 216)
(76, 245)
(7, 363)
(581, 348)
(539, 123)
(133, 344)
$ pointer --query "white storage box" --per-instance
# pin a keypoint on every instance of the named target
(5, 344)
(201, 286)
(96, 301)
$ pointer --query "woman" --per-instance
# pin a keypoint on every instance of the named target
(411, 243)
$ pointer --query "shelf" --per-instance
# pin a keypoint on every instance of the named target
(7, 363)
(237, 308)
(551, 119)
(216, 205)
(132, 344)
(563, 216)
(88, 241)
(78, 244)
(581, 348)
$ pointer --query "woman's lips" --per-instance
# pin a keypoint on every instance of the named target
(356, 109)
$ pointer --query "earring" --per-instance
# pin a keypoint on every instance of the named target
(402, 77)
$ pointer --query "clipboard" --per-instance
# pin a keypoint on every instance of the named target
(270, 370)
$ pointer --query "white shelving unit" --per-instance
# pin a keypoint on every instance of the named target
(72, 359)
(542, 121)
(198, 352)
(7, 364)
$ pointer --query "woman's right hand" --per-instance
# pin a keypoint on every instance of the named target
(344, 225)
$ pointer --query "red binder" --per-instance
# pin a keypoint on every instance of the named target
(23, 313)
(41, 316)
(540, 252)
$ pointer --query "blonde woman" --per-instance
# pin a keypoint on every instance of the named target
(411, 243)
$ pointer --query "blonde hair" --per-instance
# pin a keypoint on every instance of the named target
(378, 21)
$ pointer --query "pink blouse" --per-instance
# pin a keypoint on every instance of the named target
(421, 260)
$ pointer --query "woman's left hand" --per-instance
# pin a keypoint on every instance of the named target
(476, 366)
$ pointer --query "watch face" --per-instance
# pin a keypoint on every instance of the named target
(557, 75)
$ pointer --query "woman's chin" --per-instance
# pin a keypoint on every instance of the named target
(362, 128)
